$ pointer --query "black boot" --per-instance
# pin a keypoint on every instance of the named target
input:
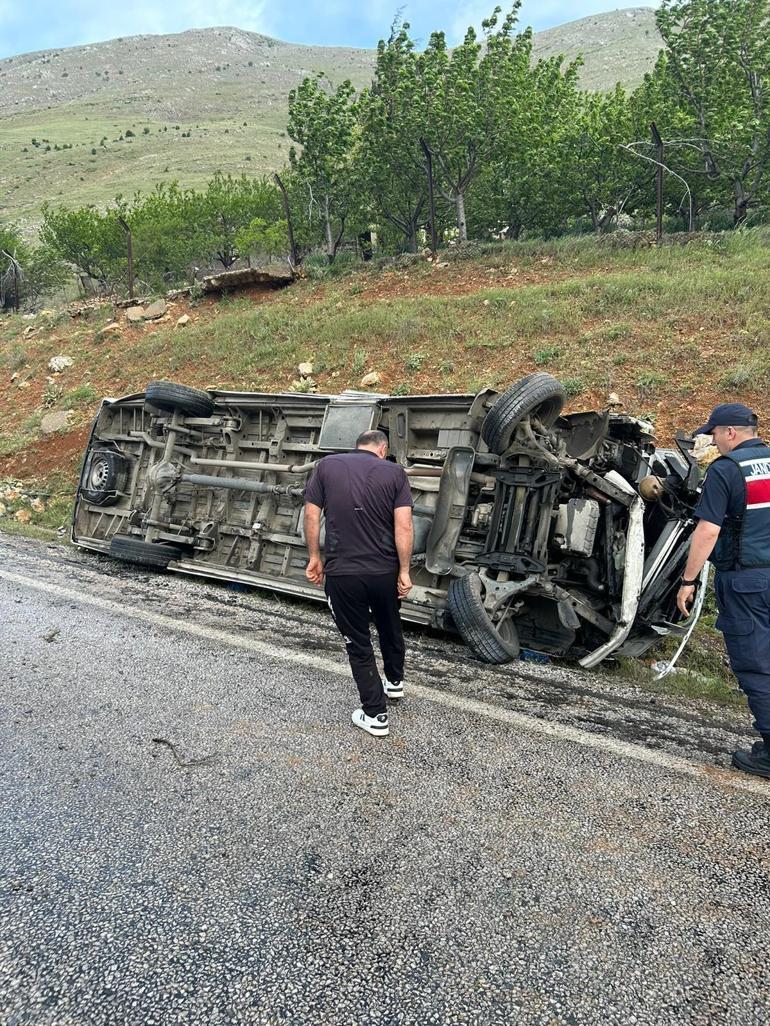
(756, 761)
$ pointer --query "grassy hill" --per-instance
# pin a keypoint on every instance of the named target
(204, 100)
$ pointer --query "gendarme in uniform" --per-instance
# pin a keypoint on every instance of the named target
(734, 508)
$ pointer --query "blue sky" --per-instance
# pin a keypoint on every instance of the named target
(27, 25)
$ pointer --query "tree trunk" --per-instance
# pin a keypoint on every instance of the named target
(331, 249)
(411, 237)
(513, 231)
(462, 227)
(594, 217)
(366, 245)
(294, 258)
(741, 204)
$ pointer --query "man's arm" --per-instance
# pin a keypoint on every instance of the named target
(315, 570)
(404, 532)
(711, 512)
(704, 538)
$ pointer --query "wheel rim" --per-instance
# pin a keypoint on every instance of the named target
(99, 475)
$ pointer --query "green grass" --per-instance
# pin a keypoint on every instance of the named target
(609, 299)
(543, 357)
(83, 395)
(13, 527)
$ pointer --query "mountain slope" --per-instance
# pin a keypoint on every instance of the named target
(206, 99)
(617, 47)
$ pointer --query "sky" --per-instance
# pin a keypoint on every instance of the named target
(29, 25)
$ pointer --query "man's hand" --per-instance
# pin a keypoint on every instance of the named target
(315, 571)
(684, 599)
(404, 585)
(315, 568)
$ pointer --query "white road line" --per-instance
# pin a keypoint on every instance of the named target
(531, 724)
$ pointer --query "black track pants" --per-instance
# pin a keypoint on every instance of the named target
(350, 600)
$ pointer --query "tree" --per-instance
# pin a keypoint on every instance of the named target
(718, 57)
(322, 120)
(261, 236)
(167, 235)
(523, 186)
(463, 99)
(27, 272)
(227, 207)
(604, 177)
(392, 123)
(93, 242)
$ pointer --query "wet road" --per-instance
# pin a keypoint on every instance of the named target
(192, 832)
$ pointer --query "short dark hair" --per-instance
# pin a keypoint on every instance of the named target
(753, 423)
(371, 438)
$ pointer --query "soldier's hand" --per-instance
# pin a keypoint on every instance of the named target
(404, 585)
(684, 599)
(315, 572)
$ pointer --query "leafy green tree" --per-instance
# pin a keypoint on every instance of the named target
(392, 121)
(92, 242)
(604, 178)
(323, 121)
(32, 270)
(228, 206)
(522, 187)
(718, 57)
(11, 240)
(166, 235)
(457, 123)
(264, 237)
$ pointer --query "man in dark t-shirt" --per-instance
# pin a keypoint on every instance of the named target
(367, 502)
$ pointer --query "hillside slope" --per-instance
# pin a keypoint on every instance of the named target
(204, 100)
(671, 330)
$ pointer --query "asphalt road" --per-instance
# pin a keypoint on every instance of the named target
(191, 831)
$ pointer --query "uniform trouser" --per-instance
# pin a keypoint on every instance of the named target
(350, 600)
(743, 599)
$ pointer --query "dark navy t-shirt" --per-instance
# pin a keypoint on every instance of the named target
(724, 490)
(358, 493)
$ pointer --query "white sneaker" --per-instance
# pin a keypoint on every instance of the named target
(393, 688)
(375, 725)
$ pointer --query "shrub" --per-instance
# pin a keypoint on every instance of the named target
(358, 362)
(739, 376)
(546, 355)
(649, 382)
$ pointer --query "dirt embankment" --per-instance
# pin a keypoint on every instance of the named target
(669, 332)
